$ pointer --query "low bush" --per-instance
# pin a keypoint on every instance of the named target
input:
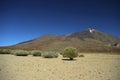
(20, 53)
(81, 55)
(50, 55)
(70, 52)
(5, 51)
(36, 53)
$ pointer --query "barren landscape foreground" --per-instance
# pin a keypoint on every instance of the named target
(90, 67)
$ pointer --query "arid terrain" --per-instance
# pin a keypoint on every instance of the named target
(90, 67)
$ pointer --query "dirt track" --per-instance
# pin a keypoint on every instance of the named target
(90, 67)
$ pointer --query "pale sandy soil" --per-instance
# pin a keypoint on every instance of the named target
(90, 67)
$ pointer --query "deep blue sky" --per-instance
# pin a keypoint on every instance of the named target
(22, 20)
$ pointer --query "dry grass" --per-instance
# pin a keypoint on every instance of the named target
(90, 67)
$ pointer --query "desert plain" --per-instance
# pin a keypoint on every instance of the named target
(91, 67)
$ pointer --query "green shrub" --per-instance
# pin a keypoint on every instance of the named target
(50, 55)
(5, 51)
(20, 53)
(70, 52)
(36, 53)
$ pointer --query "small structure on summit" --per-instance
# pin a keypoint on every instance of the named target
(91, 30)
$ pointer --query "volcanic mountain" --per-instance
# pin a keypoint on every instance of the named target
(90, 40)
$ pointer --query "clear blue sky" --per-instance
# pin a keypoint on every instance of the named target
(22, 20)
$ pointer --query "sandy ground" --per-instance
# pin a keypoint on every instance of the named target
(90, 67)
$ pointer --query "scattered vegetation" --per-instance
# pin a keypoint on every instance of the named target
(50, 55)
(36, 53)
(70, 52)
(20, 53)
(5, 51)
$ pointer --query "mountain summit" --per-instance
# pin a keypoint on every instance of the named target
(95, 34)
(90, 40)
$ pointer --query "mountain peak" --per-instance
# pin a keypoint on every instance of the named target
(96, 35)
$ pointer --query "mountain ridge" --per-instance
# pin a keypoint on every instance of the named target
(90, 40)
